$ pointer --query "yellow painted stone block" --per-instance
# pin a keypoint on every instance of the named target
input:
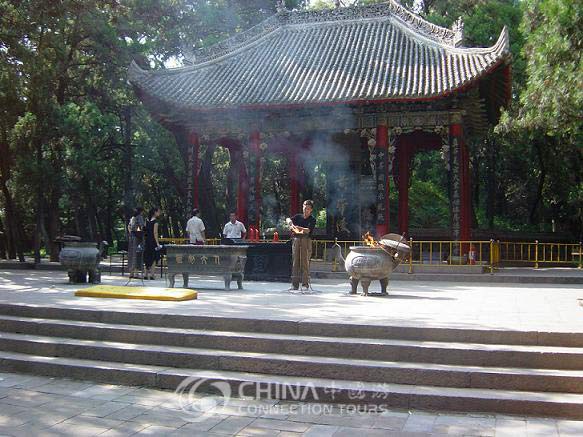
(146, 293)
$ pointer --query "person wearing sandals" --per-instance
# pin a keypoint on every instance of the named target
(152, 245)
(302, 227)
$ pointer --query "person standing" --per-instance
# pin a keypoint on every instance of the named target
(136, 242)
(152, 244)
(234, 228)
(302, 226)
(195, 228)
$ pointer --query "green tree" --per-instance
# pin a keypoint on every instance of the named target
(78, 150)
(547, 115)
(552, 101)
(68, 125)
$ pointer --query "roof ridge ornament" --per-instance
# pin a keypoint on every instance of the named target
(281, 6)
(458, 30)
(390, 12)
(285, 17)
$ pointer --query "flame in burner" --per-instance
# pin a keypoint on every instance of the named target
(369, 240)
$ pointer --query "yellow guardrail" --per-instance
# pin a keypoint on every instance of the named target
(449, 253)
(537, 253)
(443, 253)
(171, 240)
(321, 248)
(494, 255)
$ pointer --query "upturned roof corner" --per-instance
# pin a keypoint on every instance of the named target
(370, 53)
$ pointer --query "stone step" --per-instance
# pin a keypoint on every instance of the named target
(503, 378)
(470, 354)
(302, 327)
(320, 390)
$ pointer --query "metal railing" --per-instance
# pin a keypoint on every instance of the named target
(450, 253)
(444, 253)
(537, 253)
(171, 240)
(475, 252)
(321, 248)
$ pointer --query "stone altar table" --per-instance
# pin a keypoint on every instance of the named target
(222, 260)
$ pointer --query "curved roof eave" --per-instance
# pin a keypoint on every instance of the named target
(155, 84)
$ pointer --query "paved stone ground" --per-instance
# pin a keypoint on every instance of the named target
(544, 307)
(38, 406)
(41, 406)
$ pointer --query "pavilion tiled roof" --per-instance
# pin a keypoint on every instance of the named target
(380, 52)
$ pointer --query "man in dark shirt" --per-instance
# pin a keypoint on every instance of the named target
(302, 227)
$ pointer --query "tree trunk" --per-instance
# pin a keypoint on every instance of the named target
(128, 196)
(14, 232)
(180, 184)
(54, 225)
(91, 212)
(307, 184)
(10, 231)
(541, 182)
(176, 211)
(3, 240)
(232, 180)
(19, 240)
(109, 232)
(276, 193)
(77, 221)
(491, 153)
(474, 176)
(100, 227)
(178, 224)
(53, 232)
(181, 137)
(207, 198)
(38, 231)
(94, 226)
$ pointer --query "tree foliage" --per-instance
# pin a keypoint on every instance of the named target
(552, 100)
(77, 150)
(545, 120)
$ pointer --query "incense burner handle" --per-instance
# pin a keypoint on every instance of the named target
(336, 253)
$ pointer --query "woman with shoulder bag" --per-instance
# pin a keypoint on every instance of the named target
(136, 242)
(152, 244)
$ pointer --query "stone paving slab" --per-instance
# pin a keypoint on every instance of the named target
(526, 307)
(167, 420)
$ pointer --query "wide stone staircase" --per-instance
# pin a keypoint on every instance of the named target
(512, 372)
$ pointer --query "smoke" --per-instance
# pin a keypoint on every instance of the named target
(338, 154)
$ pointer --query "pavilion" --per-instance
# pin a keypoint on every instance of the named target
(358, 89)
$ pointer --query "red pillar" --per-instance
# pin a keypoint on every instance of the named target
(464, 187)
(294, 196)
(242, 193)
(465, 213)
(382, 143)
(403, 153)
(466, 200)
(195, 144)
(255, 141)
